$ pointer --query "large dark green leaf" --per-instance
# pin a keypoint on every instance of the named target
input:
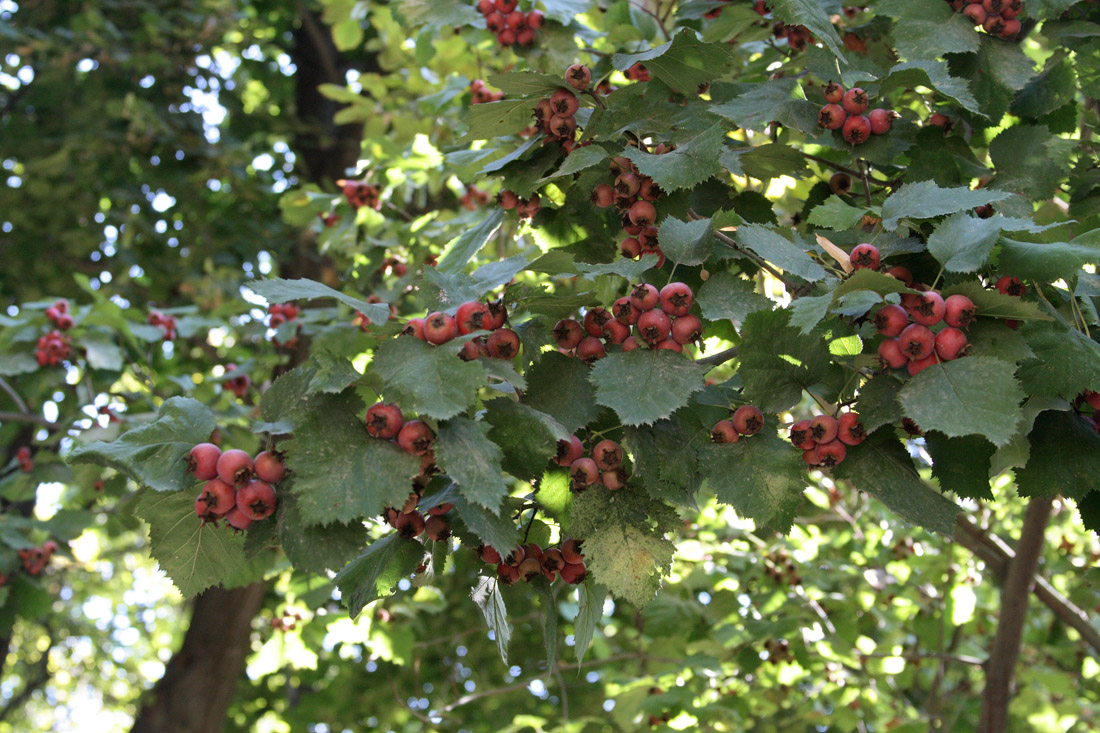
(761, 476)
(643, 386)
(426, 379)
(376, 572)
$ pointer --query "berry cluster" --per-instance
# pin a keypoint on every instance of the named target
(52, 349)
(605, 466)
(996, 17)
(439, 327)
(35, 559)
(633, 195)
(60, 315)
(844, 110)
(779, 567)
(556, 115)
(393, 266)
(166, 323)
(411, 523)
(746, 420)
(797, 36)
(23, 455)
(361, 194)
(660, 319)
(280, 313)
(481, 93)
(824, 440)
(474, 197)
(910, 342)
(237, 486)
(526, 208)
(530, 561)
(237, 385)
(511, 25)
(385, 422)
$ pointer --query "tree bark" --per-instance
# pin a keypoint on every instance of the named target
(1000, 668)
(200, 680)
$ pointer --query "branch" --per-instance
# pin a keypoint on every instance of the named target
(720, 358)
(27, 417)
(19, 403)
(730, 241)
(1019, 581)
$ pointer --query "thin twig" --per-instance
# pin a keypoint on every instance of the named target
(866, 181)
(914, 656)
(651, 14)
(27, 417)
(19, 403)
(728, 240)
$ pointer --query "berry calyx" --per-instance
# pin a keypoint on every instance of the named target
(833, 92)
(645, 297)
(439, 328)
(748, 420)
(256, 500)
(824, 428)
(578, 76)
(854, 101)
(608, 455)
(856, 129)
(1008, 285)
(503, 344)
(958, 311)
(890, 320)
(595, 319)
(865, 257)
(850, 430)
(724, 432)
(470, 316)
(568, 333)
(415, 437)
(583, 472)
(832, 117)
(800, 435)
(676, 299)
(569, 451)
(916, 342)
(217, 498)
(654, 326)
(929, 310)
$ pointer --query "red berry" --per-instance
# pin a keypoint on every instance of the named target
(850, 430)
(748, 420)
(590, 350)
(840, 183)
(630, 248)
(834, 92)
(486, 6)
(409, 525)
(571, 551)
(642, 213)
(202, 461)
(583, 472)
(439, 328)
(568, 333)
(415, 437)
(900, 273)
(218, 496)
(496, 22)
(832, 117)
(470, 350)
(891, 355)
(625, 311)
(864, 257)
(578, 76)
(603, 195)
(506, 6)
(534, 21)
(654, 326)
(564, 103)
(256, 500)
(552, 560)
(470, 315)
(414, 327)
(929, 310)
(630, 344)
(496, 316)
(437, 528)
(917, 366)
(1010, 286)
(670, 344)
(831, 453)
(824, 428)
(649, 190)
(614, 479)
(890, 320)
(503, 344)
(270, 467)
(882, 120)
(595, 319)
(975, 12)
(488, 555)
(724, 432)
(687, 329)
(800, 435)
(854, 101)
(507, 199)
(645, 297)
(574, 574)
(384, 420)
(235, 467)
(916, 342)
(676, 299)
(569, 451)
(856, 129)
(958, 311)
(608, 455)
(627, 184)
(615, 332)
(951, 343)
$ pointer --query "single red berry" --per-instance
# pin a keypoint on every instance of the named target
(917, 342)
(574, 574)
(1008, 285)
(627, 184)
(654, 326)
(564, 103)
(687, 329)
(496, 316)
(384, 420)
(645, 297)
(951, 343)
(414, 327)
(824, 428)
(269, 467)
(917, 366)
(578, 76)
(976, 13)
(569, 451)
(670, 344)
(900, 273)
(552, 560)
(929, 310)
(881, 120)
(608, 455)
(583, 472)
(630, 248)
(856, 129)
(485, 7)
(590, 350)
(724, 432)
(850, 430)
(497, 22)
(615, 332)
(642, 213)
(503, 344)
(630, 344)
(571, 551)
(865, 257)
(415, 437)
(676, 299)
(854, 101)
(235, 467)
(891, 355)
(471, 350)
(832, 117)
(614, 479)
(603, 195)
(439, 328)
(840, 183)
(890, 320)
(470, 315)
(218, 496)
(437, 528)
(595, 319)
(202, 461)
(568, 333)
(534, 21)
(834, 93)
(649, 190)
(563, 126)
(958, 311)
(507, 199)
(409, 525)
(831, 453)
(800, 435)
(256, 500)
(748, 420)
(625, 311)
(488, 555)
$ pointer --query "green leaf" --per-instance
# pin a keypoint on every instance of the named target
(882, 467)
(494, 120)
(629, 269)
(1030, 160)
(989, 303)
(347, 34)
(153, 454)
(377, 571)
(771, 161)
(975, 395)
(665, 458)
(778, 100)
(836, 214)
(928, 30)
(878, 404)
(779, 251)
(590, 599)
(282, 401)
(560, 389)
(341, 473)
(686, 242)
(811, 14)
(333, 373)
(549, 611)
(962, 242)
(1066, 364)
(1047, 261)
(462, 248)
(472, 461)
(486, 594)
(580, 159)
(495, 531)
(685, 167)
(1048, 91)
(643, 386)
(101, 352)
(314, 547)
(1065, 457)
(864, 279)
(725, 295)
(426, 379)
(527, 437)
(761, 476)
(194, 554)
(932, 74)
(684, 63)
(925, 200)
(436, 13)
(524, 83)
(809, 310)
(278, 290)
(778, 361)
(961, 465)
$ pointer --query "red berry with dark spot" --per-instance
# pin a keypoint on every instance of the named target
(832, 117)
(590, 350)
(603, 195)
(854, 101)
(890, 320)
(571, 551)
(218, 498)
(917, 366)
(670, 344)
(439, 328)
(625, 311)
(642, 213)
(415, 437)
(831, 453)
(496, 316)
(583, 472)
(687, 329)
(568, 333)
(856, 129)
(414, 327)
(595, 319)
(654, 326)
(850, 430)
(976, 13)
(564, 103)
(951, 343)
(470, 316)
(676, 299)
(958, 311)
(608, 455)
(834, 93)
(384, 420)
(929, 310)
(270, 467)
(645, 297)
(202, 461)
(256, 500)
(237, 520)
(409, 525)
(615, 332)
(1008, 285)
(614, 479)
(569, 451)
(917, 342)
(503, 344)
(824, 428)
(901, 273)
(627, 184)
(235, 467)
(724, 432)
(578, 76)
(437, 528)
(748, 420)
(800, 435)
(630, 344)
(630, 248)
(488, 555)
(881, 120)
(865, 257)
(891, 355)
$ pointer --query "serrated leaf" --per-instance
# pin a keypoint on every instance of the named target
(928, 30)
(665, 458)
(153, 454)
(101, 352)
(1065, 457)
(685, 167)
(560, 388)
(331, 373)
(878, 403)
(523, 83)
(778, 361)
(811, 14)
(315, 547)
(1066, 364)
(580, 159)
(1049, 90)
(1030, 160)
(864, 279)
(882, 467)
(425, 379)
(590, 599)
(778, 100)
(961, 464)
(472, 461)
(436, 13)
(281, 401)
(759, 475)
(1048, 261)
(992, 304)
(494, 120)
(779, 251)
(377, 571)
(549, 611)
(495, 531)
(527, 437)
(278, 290)
(12, 365)
(629, 269)
(195, 555)
(771, 161)
(341, 473)
(836, 214)
(925, 200)
(976, 395)
(809, 310)
(486, 594)
(725, 295)
(686, 242)
(643, 386)
(933, 74)
(962, 242)
(684, 63)
(462, 248)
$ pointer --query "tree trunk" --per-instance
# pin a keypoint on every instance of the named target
(200, 680)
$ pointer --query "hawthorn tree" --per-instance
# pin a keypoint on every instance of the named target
(722, 342)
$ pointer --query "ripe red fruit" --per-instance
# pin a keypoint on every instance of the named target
(216, 499)
(503, 344)
(507, 199)
(614, 479)
(470, 315)
(832, 117)
(583, 472)
(568, 333)
(516, 20)
(384, 420)
(439, 328)
(881, 120)
(256, 500)
(496, 316)
(958, 311)
(578, 76)
(564, 103)
(824, 428)
(917, 366)
(534, 21)
(608, 455)
(627, 184)
(686, 329)
(831, 453)
(595, 319)
(854, 101)
(574, 574)
(951, 343)
(269, 467)
(409, 525)
(929, 310)
(747, 420)
(1009, 28)
(571, 551)
(1010, 286)
(471, 349)
(889, 351)
(235, 467)
(864, 257)
(654, 326)
(670, 344)
(506, 6)
(630, 344)
(615, 332)
(569, 451)
(625, 311)
(917, 342)
(562, 126)
(834, 92)
(552, 560)
(676, 299)
(630, 248)
(850, 430)
(202, 461)
(642, 213)
(800, 435)
(649, 190)
(415, 437)
(486, 6)
(724, 432)
(496, 22)
(603, 195)
(901, 273)
(437, 528)
(645, 297)
(856, 129)
(414, 327)
(237, 520)
(488, 555)
(890, 320)
(590, 350)
(975, 12)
